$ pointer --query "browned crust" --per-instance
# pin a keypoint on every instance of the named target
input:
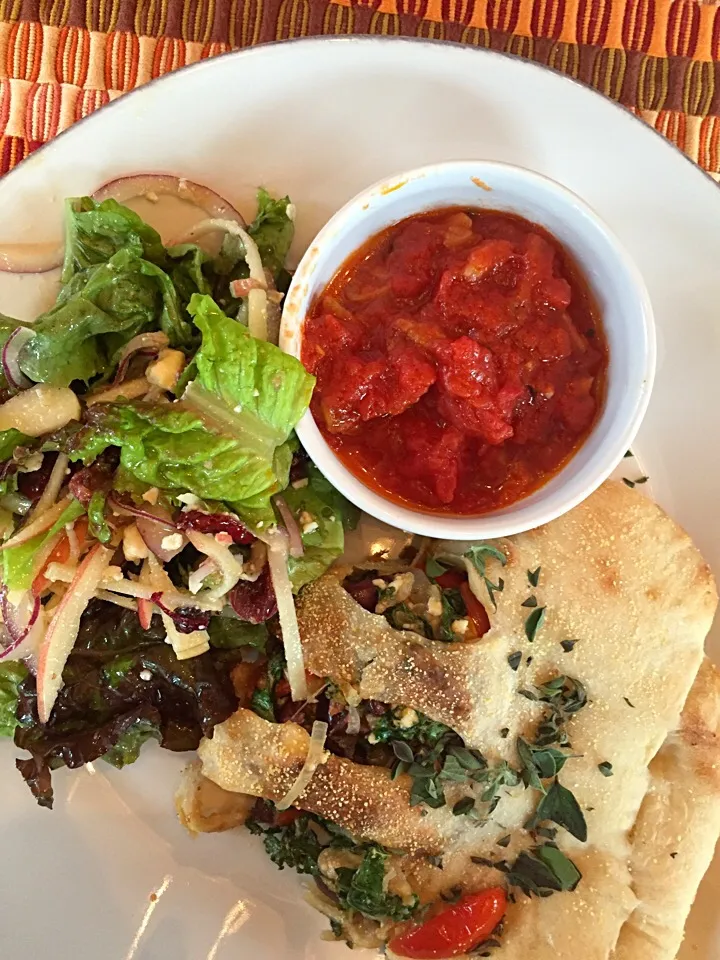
(249, 755)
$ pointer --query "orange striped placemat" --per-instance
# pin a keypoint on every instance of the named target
(62, 59)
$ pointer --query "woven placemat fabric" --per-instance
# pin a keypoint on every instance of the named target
(62, 59)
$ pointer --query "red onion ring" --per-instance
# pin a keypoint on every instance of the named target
(291, 526)
(31, 257)
(126, 188)
(17, 633)
(10, 352)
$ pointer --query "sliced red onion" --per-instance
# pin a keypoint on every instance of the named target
(11, 351)
(124, 505)
(160, 534)
(291, 526)
(186, 619)
(31, 257)
(151, 185)
(21, 643)
(163, 543)
(215, 523)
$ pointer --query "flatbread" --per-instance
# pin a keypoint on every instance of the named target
(624, 581)
(674, 836)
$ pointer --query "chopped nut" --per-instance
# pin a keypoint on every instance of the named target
(134, 547)
(151, 495)
(165, 371)
(173, 541)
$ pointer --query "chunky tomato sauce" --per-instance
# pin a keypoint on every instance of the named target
(460, 360)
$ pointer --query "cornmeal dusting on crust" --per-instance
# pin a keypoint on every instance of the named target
(625, 582)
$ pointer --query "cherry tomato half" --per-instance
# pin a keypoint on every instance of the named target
(475, 610)
(456, 929)
(451, 579)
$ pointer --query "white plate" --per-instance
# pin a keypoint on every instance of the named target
(321, 119)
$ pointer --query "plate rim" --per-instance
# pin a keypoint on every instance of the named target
(369, 40)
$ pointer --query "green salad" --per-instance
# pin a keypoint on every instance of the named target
(156, 509)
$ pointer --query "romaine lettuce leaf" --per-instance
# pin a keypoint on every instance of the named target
(174, 448)
(228, 439)
(12, 673)
(95, 232)
(99, 311)
(273, 231)
(265, 390)
(328, 508)
(18, 561)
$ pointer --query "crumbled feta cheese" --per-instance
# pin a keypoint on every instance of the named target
(459, 627)
(238, 408)
(299, 484)
(151, 495)
(256, 392)
(372, 738)
(145, 675)
(380, 584)
(290, 211)
(260, 523)
(407, 718)
(434, 604)
(190, 500)
(113, 573)
(310, 527)
(173, 541)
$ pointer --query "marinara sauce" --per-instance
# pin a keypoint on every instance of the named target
(460, 360)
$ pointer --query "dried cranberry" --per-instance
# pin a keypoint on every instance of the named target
(254, 601)
(186, 619)
(88, 481)
(299, 465)
(215, 523)
(363, 592)
(31, 485)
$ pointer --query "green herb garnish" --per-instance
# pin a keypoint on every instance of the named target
(534, 576)
(478, 555)
(534, 622)
(514, 659)
(560, 806)
(605, 768)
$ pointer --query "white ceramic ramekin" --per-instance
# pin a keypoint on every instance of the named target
(613, 278)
